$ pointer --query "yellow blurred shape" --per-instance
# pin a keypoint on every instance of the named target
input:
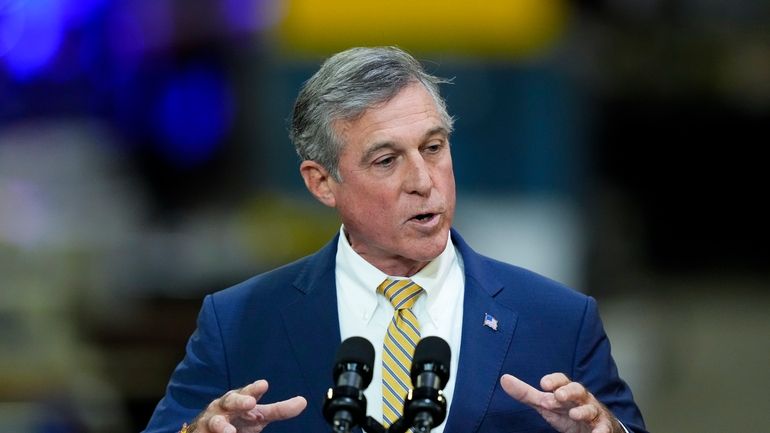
(490, 28)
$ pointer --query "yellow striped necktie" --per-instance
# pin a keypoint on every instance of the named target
(398, 348)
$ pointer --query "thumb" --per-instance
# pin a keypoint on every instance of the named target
(518, 389)
(527, 394)
(280, 410)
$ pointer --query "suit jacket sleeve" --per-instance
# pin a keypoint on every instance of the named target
(201, 377)
(596, 370)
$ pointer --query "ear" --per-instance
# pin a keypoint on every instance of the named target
(318, 181)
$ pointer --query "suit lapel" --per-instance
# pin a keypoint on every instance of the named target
(482, 349)
(312, 323)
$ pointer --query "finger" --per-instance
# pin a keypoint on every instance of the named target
(219, 424)
(599, 420)
(572, 392)
(552, 381)
(234, 401)
(525, 393)
(519, 389)
(587, 413)
(256, 389)
(280, 410)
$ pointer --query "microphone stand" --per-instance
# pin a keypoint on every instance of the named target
(371, 425)
(424, 408)
(400, 426)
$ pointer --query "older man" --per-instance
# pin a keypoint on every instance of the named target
(527, 353)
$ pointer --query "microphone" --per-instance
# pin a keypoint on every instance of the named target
(425, 405)
(345, 405)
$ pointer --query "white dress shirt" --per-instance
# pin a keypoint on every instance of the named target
(364, 313)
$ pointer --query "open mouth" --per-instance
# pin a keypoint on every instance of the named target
(424, 217)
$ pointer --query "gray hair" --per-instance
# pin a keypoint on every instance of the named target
(346, 85)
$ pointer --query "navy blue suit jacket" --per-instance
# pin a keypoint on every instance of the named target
(283, 326)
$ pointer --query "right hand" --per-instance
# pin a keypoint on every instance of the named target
(566, 405)
(238, 412)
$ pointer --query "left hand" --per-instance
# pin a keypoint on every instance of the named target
(238, 411)
(567, 406)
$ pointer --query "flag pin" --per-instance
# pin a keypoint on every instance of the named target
(490, 321)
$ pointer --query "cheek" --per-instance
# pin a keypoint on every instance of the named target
(373, 215)
(447, 180)
(368, 206)
(450, 181)
(444, 170)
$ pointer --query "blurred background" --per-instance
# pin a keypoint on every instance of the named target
(609, 144)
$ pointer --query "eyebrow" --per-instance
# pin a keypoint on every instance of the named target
(390, 145)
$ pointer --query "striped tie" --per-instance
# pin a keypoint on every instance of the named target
(403, 335)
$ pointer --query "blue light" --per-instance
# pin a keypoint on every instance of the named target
(193, 116)
(11, 24)
(135, 28)
(78, 12)
(36, 33)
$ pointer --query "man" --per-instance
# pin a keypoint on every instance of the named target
(527, 353)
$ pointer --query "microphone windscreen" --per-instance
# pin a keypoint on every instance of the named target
(432, 354)
(357, 350)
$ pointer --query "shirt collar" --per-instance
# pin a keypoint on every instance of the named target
(366, 277)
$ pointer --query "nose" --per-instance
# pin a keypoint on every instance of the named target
(418, 178)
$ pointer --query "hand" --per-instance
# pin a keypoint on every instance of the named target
(238, 412)
(567, 406)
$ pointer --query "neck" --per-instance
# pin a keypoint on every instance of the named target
(396, 266)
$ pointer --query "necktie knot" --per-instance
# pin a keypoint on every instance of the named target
(402, 294)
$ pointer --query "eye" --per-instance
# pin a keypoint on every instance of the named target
(386, 161)
(434, 147)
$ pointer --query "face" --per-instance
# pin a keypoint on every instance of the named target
(396, 196)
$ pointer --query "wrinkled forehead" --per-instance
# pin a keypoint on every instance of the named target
(412, 111)
(411, 100)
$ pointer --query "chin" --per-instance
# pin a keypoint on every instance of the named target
(428, 251)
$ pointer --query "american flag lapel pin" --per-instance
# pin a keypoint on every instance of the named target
(490, 321)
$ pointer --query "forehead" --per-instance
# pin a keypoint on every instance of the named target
(411, 111)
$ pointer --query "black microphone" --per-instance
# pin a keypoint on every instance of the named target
(425, 404)
(345, 405)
